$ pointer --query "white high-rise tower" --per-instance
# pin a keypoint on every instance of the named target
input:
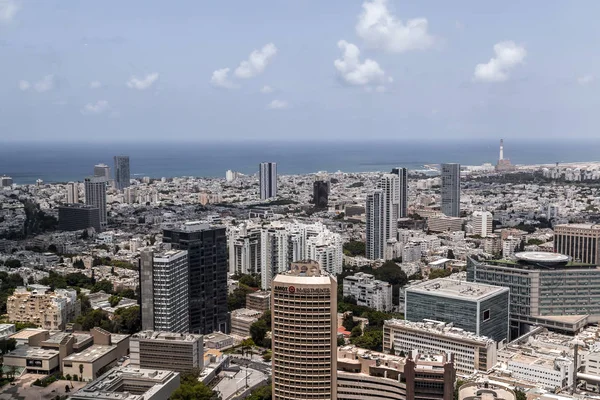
(501, 150)
(382, 216)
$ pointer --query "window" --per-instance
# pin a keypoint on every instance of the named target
(486, 315)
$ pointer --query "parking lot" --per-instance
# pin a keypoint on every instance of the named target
(23, 390)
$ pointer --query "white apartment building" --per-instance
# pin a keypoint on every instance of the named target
(547, 371)
(411, 252)
(382, 216)
(368, 291)
(471, 352)
(48, 310)
(509, 245)
(482, 223)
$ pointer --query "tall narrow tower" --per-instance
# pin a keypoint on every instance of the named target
(403, 191)
(95, 195)
(268, 180)
(122, 173)
(451, 189)
(501, 150)
(382, 216)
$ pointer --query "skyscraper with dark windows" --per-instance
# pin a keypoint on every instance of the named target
(122, 174)
(102, 171)
(95, 195)
(402, 191)
(451, 190)
(207, 253)
(268, 180)
(320, 194)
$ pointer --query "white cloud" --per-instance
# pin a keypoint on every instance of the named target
(277, 105)
(24, 85)
(585, 80)
(8, 10)
(382, 30)
(95, 85)
(144, 83)
(220, 78)
(508, 55)
(356, 73)
(266, 89)
(257, 62)
(95, 108)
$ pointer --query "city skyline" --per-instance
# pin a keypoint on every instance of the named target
(352, 75)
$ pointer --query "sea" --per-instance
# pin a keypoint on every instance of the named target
(56, 161)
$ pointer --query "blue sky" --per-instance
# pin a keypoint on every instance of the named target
(298, 70)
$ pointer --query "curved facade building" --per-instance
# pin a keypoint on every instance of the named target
(304, 336)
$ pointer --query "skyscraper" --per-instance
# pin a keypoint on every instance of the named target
(207, 253)
(402, 191)
(451, 190)
(122, 174)
(304, 337)
(102, 171)
(95, 195)
(382, 216)
(268, 180)
(164, 288)
(72, 192)
(320, 194)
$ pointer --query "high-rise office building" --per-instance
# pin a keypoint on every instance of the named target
(402, 191)
(304, 337)
(6, 181)
(320, 194)
(164, 288)
(207, 252)
(122, 174)
(102, 171)
(72, 192)
(451, 190)
(95, 195)
(579, 241)
(76, 217)
(482, 223)
(382, 216)
(167, 350)
(268, 180)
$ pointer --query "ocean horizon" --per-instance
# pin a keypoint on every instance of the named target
(56, 162)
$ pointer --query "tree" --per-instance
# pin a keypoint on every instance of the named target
(13, 263)
(440, 273)
(450, 254)
(390, 272)
(192, 389)
(79, 264)
(258, 330)
(114, 300)
(341, 341)
(520, 395)
(237, 299)
(128, 320)
(356, 332)
(354, 248)
(262, 393)
(371, 339)
(81, 372)
(103, 285)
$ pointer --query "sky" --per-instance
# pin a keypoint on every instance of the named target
(189, 70)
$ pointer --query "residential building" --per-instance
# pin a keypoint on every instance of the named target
(366, 374)
(102, 171)
(402, 191)
(482, 223)
(179, 352)
(474, 307)
(164, 288)
(6, 181)
(95, 195)
(268, 180)
(242, 319)
(244, 249)
(48, 310)
(304, 335)
(207, 260)
(510, 246)
(368, 292)
(127, 383)
(320, 193)
(578, 241)
(72, 192)
(471, 352)
(259, 301)
(442, 223)
(382, 216)
(545, 289)
(451, 190)
(122, 173)
(77, 216)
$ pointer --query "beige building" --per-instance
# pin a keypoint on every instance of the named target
(95, 360)
(485, 391)
(578, 241)
(242, 319)
(179, 352)
(260, 301)
(304, 336)
(482, 223)
(37, 305)
(365, 374)
(33, 359)
(219, 341)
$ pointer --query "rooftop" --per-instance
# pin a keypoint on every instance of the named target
(263, 294)
(90, 354)
(27, 333)
(452, 288)
(441, 329)
(579, 226)
(164, 336)
(542, 257)
(33, 352)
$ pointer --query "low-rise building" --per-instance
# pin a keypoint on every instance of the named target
(219, 341)
(126, 383)
(365, 374)
(178, 352)
(6, 330)
(442, 223)
(49, 310)
(471, 352)
(484, 391)
(242, 319)
(368, 292)
(33, 359)
(260, 301)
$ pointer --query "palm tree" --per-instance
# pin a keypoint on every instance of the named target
(81, 372)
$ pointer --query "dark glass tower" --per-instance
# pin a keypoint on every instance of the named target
(122, 174)
(320, 194)
(207, 252)
(403, 191)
